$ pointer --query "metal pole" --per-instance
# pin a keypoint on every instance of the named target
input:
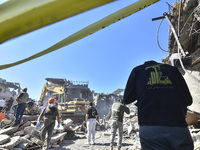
(179, 18)
(175, 35)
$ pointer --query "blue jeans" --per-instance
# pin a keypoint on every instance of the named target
(19, 113)
(165, 138)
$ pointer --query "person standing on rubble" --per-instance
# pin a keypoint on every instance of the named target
(117, 114)
(2, 104)
(90, 119)
(49, 114)
(21, 100)
(8, 104)
(162, 98)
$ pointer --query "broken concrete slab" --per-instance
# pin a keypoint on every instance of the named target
(67, 122)
(29, 129)
(27, 136)
(12, 143)
(35, 133)
(16, 148)
(26, 124)
(76, 128)
(23, 145)
(26, 140)
(36, 141)
(9, 130)
(19, 133)
(58, 137)
(4, 138)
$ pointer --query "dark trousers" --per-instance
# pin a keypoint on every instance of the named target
(19, 113)
(165, 138)
(1, 108)
(46, 134)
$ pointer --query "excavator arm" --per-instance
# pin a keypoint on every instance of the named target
(50, 87)
(44, 90)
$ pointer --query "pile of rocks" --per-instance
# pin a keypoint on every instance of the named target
(27, 135)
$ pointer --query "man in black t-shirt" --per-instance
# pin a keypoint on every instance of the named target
(90, 119)
(162, 98)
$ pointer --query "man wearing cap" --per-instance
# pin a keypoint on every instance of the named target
(90, 119)
(49, 114)
(117, 114)
(21, 100)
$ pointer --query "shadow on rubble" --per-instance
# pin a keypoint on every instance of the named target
(115, 144)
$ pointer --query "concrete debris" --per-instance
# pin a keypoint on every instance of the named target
(27, 135)
(58, 137)
(26, 140)
(19, 133)
(17, 148)
(67, 123)
(23, 145)
(35, 133)
(9, 130)
(36, 141)
(29, 129)
(72, 134)
(4, 138)
(11, 143)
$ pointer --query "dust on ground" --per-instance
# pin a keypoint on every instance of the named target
(102, 142)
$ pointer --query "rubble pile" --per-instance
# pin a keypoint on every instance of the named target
(27, 135)
(104, 102)
(73, 136)
(130, 128)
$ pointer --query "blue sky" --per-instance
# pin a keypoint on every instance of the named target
(105, 58)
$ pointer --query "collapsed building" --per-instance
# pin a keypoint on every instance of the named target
(9, 92)
(70, 89)
(184, 54)
(104, 102)
(71, 96)
(184, 45)
(8, 89)
(74, 96)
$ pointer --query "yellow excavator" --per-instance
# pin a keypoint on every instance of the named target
(68, 106)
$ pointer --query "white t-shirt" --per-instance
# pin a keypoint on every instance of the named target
(2, 103)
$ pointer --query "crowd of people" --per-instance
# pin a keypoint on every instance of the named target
(161, 95)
